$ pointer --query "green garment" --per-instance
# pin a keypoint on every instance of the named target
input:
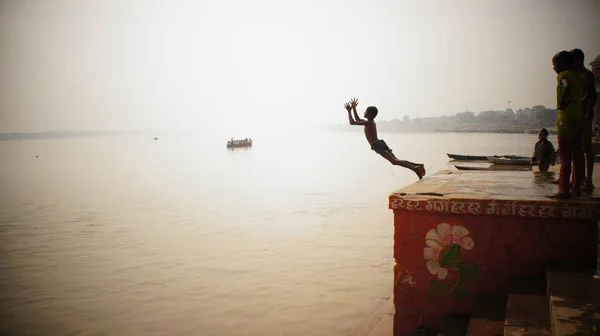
(569, 120)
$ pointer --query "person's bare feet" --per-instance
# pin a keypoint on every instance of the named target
(418, 172)
(421, 169)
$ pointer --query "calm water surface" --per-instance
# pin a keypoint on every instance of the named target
(180, 236)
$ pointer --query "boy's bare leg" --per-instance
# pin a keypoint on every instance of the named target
(420, 166)
(417, 168)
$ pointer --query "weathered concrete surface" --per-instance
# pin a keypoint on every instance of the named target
(596, 176)
(574, 303)
(505, 193)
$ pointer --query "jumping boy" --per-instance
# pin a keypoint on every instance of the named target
(377, 145)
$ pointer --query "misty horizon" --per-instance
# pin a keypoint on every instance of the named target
(250, 67)
(185, 130)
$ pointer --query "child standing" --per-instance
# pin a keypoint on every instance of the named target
(569, 121)
(544, 153)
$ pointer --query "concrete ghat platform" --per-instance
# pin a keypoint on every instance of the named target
(461, 234)
(493, 193)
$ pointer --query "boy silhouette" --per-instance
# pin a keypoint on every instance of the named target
(377, 145)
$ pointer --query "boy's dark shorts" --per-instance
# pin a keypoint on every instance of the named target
(380, 147)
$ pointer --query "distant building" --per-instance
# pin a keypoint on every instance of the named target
(596, 70)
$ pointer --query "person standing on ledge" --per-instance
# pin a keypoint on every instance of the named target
(544, 153)
(377, 145)
(569, 121)
(588, 102)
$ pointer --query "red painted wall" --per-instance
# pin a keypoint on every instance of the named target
(444, 260)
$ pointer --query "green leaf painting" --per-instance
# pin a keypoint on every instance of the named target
(442, 255)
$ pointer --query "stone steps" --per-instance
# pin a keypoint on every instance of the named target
(574, 301)
(564, 302)
(488, 317)
(527, 312)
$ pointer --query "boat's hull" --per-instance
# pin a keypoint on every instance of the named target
(509, 161)
(239, 146)
(470, 168)
(459, 157)
(495, 167)
(518, 157)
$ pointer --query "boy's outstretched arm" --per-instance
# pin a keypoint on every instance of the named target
(350, 119)
(353, 104)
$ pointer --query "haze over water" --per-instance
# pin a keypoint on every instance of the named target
(180, 236)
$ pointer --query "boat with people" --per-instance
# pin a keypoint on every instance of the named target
(241, 143)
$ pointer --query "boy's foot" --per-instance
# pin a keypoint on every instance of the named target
(418, 172)
(421, 169)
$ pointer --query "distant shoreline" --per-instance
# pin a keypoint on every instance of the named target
(533, 131)
(521, 121)
(15, 136)
(551, 130)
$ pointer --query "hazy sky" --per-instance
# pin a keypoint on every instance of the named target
(250, 65)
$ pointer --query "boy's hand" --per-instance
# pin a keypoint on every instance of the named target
(347, 107)
(354, 102)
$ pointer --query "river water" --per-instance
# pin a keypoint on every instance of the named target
(180, 236)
